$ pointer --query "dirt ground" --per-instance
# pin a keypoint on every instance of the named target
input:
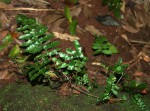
(128, 51)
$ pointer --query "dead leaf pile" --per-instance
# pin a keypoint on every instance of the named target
(137, 18)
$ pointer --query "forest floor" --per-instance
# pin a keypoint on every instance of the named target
(133, 46)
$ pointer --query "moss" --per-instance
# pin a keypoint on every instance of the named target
(24, 97)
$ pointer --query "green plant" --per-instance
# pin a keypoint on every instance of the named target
(72, 22)
(42, 54)
(133, 87)
(101, 45)
(72, 64)
(5, 42)
(114, 5)
(116, 73)
(36, 44)
(140, 103)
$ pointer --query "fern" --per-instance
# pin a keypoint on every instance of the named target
(140, 103)
(102, 46)
(72, 64)
(37, 44)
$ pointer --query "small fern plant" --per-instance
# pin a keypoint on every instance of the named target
(102, 46)
(72, 64)
(37, 45)
(116, 73)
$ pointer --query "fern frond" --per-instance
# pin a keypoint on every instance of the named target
(38, 44)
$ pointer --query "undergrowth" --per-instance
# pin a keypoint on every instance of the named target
(45, 57)
(43, 61)
(113, 5)
(102, 46)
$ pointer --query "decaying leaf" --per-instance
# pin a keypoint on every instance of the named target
(65, 36)
(75, 12)
(87, 11)
(3, 34)
(123, 6)
(54, 20)
(4, 21)
(56, 26)
(92, 30)
(65, 90)
(130, 29)
(136, 19)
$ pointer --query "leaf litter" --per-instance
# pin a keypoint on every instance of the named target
(55, 20)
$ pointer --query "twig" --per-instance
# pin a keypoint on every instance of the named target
(30, 9)
(86, 93)
(140, 42)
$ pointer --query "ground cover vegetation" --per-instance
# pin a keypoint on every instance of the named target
(40, 58)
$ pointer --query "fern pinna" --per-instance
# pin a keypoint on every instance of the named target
(37, 44)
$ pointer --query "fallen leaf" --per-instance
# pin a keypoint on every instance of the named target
(123, 7)
(87, 11)
(56, 26)
(51, 18)
(65, 90)
(138, 74)
(75, 12)
(3, 34)
(144, 91)
(5, 22)
(65, 36)
(130, 29)
(92, 30)
(136, 18)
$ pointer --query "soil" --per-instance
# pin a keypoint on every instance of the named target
(113, 34)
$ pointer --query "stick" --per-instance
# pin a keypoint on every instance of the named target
(140, 42)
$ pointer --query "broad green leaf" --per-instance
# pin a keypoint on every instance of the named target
(113, 49)
(72, 27)
(6, 41)
(107, 52)
(67, 14)
(114, 92)
(63, 65)
(14, 52)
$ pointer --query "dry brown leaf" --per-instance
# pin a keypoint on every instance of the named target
(123, 6)
(5, 22)
(75, 12)
(51, 18)
(87, 11)
(144, 91)
(65, 90)
(130, 29)
(138, 20)
(138, 74)
(65, 36)
(56, 26)
(3, 34)
(92, 30)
